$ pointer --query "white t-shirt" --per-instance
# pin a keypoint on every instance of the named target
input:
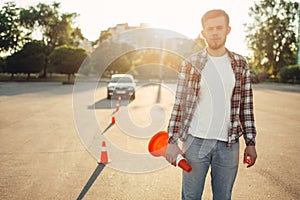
(211, 119)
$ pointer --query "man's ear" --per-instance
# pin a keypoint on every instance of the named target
(228, 29)
(203, 34)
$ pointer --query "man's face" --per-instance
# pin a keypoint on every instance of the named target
(215, 32)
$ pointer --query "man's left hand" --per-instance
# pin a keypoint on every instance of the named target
(250, 152)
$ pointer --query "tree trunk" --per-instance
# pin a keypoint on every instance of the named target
(44, 75)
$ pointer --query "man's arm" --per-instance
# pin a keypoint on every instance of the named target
(247, 118)
(176, 116)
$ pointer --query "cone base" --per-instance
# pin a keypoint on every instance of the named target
(99, 162)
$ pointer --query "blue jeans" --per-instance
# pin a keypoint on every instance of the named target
(202, 154)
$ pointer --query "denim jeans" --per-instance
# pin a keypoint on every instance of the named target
(202, 154)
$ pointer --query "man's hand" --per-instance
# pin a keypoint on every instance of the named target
(171, 154)
(250, 152)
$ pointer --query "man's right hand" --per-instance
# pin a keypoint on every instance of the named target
(171, 154)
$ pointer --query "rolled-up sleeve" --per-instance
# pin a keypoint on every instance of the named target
(176, 114)
(246, 109)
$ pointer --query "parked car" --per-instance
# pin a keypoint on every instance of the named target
(122, 85)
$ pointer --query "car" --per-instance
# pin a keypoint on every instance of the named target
(121, 85)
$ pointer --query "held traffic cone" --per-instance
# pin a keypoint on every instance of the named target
(158, 146)
(182, 163)
(103, 156)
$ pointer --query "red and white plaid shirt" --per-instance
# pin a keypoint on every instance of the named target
(188, 87)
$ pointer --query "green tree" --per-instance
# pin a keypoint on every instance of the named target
(10, 32)
(272, 34)
(3, 67)
(67, 60)
(30, 59)
(56, 28)
(105, 35)
(104, 56)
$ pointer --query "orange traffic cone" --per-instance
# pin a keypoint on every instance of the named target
(113, 119)
(118, 103)
(158, 146)
(103, 156)
(117, 106)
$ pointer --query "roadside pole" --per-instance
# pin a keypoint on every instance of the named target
(298, 39)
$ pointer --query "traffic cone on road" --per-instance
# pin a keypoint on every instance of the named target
(103, 155)
(117, 106)
(113, 119)
(118, 103)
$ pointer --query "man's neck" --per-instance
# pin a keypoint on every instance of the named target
(216, 52)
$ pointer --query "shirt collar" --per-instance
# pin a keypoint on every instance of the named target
(204, 55)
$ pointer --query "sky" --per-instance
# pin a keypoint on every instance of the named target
(182, 16)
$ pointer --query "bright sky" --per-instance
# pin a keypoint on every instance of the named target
(181, 16)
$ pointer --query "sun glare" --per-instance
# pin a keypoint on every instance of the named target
(183, 17)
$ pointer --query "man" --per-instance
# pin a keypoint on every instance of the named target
(213, 108)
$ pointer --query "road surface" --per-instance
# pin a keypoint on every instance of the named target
(42, 155)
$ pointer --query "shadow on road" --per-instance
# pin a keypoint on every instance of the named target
(108, 104)
(91, 180)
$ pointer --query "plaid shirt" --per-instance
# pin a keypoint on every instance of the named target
(188, 88)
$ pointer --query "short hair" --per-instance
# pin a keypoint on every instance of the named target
(213, 14)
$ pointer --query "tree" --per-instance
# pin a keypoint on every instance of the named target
(3, 66)
(105, 35)
(30, 59)
(10, 32)
(272, 34)
(56, 28)
(67, 60)
(104, 56)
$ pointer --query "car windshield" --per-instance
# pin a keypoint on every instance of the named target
(121, 80)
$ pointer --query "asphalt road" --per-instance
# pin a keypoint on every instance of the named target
(43, 156)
